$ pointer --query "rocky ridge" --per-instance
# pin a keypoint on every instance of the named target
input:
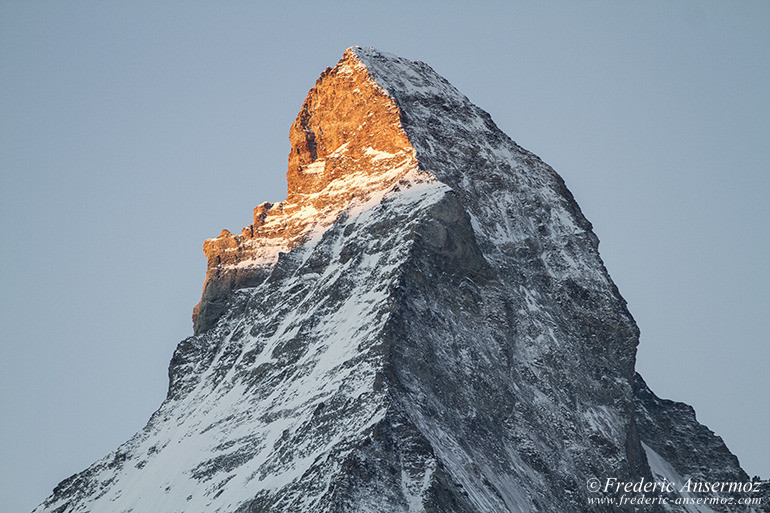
(424, 324)
(341, 155)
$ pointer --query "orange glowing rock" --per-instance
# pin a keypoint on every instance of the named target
(347, 144)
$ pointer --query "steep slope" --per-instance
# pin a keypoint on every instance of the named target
(424, 324)
(682, 450)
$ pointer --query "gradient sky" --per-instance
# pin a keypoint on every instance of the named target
(130, 132)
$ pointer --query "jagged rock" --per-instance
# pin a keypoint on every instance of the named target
(340, 153)
(424, 324)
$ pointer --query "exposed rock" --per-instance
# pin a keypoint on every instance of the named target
(341, 154)
(423, 325)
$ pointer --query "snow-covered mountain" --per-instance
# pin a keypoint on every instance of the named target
(423, 325)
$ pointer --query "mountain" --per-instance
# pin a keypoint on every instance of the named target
(424, 324)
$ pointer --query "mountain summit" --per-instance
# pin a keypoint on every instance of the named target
(423, 325)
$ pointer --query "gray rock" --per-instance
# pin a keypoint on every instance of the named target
(453, 344)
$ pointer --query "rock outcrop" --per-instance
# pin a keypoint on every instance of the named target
(423, 325)
(340, 154)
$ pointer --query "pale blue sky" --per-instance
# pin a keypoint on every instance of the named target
(131, 132)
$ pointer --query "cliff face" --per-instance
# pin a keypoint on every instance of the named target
(341, 154)
(424, 324)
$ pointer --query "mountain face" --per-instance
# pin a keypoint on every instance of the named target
(423, 325)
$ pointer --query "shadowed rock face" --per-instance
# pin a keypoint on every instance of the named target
(423, 325)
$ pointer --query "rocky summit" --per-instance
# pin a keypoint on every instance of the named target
(423, 325)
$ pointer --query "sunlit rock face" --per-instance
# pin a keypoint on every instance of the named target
(347, 146)
(423, 325)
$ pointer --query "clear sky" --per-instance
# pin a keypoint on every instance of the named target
(130, 132)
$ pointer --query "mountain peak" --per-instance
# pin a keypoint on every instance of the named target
(347, 125)
(424, 324)
(348, 146)
(370, 121)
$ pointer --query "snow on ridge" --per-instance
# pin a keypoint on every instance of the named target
(272, 401)
(505, 186)
(397, 75)
(365, 189)
(232, 434)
